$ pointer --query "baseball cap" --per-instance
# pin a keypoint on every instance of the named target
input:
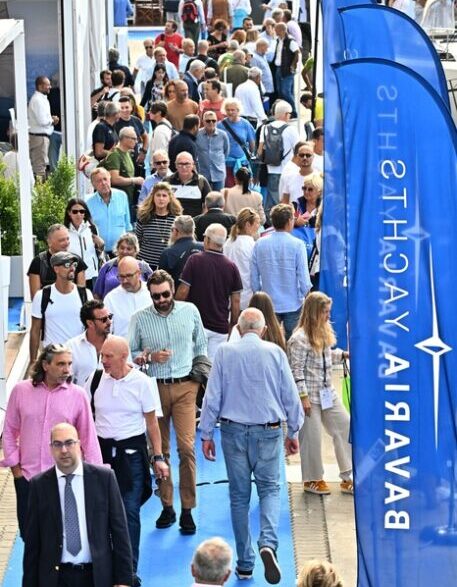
(62, 257)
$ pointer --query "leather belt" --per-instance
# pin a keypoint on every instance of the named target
(76, 566)
(172, 380)
(267, 425)
(39, 134)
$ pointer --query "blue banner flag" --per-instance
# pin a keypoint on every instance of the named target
(378, 31)
(401, 185)
(332, 275)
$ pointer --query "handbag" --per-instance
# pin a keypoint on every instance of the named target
(346, 387)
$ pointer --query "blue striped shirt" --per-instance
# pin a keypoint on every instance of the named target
(251, 383)
(181, 331)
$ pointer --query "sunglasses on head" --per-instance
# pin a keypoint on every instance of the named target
(162, 294)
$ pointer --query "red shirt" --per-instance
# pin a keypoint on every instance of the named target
(174, 39)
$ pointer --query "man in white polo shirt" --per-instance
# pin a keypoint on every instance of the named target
(293, 183)
(126, 404)
(128, 297)
(86, 347)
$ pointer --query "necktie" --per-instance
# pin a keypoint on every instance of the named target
(72, 532)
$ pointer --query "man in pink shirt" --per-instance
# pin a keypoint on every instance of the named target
(34, 407)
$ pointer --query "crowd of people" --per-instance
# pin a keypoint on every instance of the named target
(182, 285)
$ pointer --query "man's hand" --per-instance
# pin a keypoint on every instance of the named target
(138, 180)
(160, 356)
(291, 446)
(161, 470)
(306, 406)
(55, 120)
(17, 471)
(209, 450)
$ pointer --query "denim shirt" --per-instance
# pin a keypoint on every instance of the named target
(212, 152)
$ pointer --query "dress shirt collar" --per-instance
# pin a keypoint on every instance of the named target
(251, 335)
(101, 198)
(78, 471)
(61, 386)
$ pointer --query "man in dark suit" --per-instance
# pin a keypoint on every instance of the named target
(76, 533)
(193, 77)
(214, 204)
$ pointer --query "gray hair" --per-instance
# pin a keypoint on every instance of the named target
(129, 238)
(233, 45)
(46, 356)
(212, 561)
(216, 233)
(203, 44)
(214, 200)
(126, 130)
(281, 107)
(251, 319)
(238, 56)
(184, 224)
(111, 109)
(254, 73)
(54, 228)
(162, 153)
(196, 64)
(113, 54)
(101, 107)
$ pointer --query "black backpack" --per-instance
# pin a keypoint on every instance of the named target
(46, 300)
(93, 388)
(273, 146)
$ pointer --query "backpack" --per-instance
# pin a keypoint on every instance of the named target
(273, 147)
(93, 388)
(189, 11)
(174, 132)
(46, 299)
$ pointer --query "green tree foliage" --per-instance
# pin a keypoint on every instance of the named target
(9, 215)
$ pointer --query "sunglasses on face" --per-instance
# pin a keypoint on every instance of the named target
(210, 121)
(104, 319)
(305, 155)
(162, 294)
(68, 264)
(77, 211)
(308, 189)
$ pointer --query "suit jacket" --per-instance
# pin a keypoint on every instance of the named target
(106, 528)
(192, 85)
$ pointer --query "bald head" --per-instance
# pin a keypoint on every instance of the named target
(114, 354)
(251, 320)
(215, 236)
(65, 428)
(129, 274)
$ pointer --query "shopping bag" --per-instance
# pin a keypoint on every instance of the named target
(346, 389)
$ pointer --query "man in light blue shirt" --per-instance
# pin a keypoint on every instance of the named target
(279, 266)
(251, 390)
(109, 209)
(161, 164)
(213, 147)
(167, 336)
(259, 59)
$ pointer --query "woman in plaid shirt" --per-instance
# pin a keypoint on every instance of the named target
(311, 358)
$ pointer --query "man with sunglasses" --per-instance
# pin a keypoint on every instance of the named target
(213, 147)
(86, 347)
(64, 502)
(56, 308)
(160, 163)
(292, 184)
(128, 297)
(167, 337)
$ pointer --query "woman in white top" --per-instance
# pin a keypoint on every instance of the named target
(241, 196)
(239, 249)
(84, 239)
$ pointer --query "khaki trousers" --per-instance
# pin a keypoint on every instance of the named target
(38, 148)
(178, 404)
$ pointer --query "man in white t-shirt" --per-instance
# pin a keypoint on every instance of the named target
(128, 297)
(318, 142)
(144, 66)
(60, 320)
(289, 135)
(293, 183)
(127, 405)
(291, 166)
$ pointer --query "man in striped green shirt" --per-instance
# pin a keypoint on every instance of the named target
(166, 337)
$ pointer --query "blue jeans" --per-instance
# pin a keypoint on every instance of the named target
(289, 321)
(216, 185)
(285, 88)
(272, 197)
(252, 450)
(132, 503)
(55, 143)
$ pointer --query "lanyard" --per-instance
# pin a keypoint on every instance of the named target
(325, 367)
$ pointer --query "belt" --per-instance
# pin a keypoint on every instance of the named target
(39, 134)
(172, 380)
(267, 425)
(76, 566)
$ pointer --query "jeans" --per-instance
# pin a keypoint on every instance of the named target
(21, 486)
(272, 197)
(285, 88)
(252, 450)
(132, 503)
(216, 185)
(55, 143)
(289, 321)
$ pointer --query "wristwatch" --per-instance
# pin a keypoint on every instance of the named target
(158, 459)
(143, 150)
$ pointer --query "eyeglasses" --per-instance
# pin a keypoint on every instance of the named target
(77, 211)
(183, 164)
(104, 319)
(210, 121)
(68, 264)
(66, 443)
(160, 162)
(307, 155)
(162, 294)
